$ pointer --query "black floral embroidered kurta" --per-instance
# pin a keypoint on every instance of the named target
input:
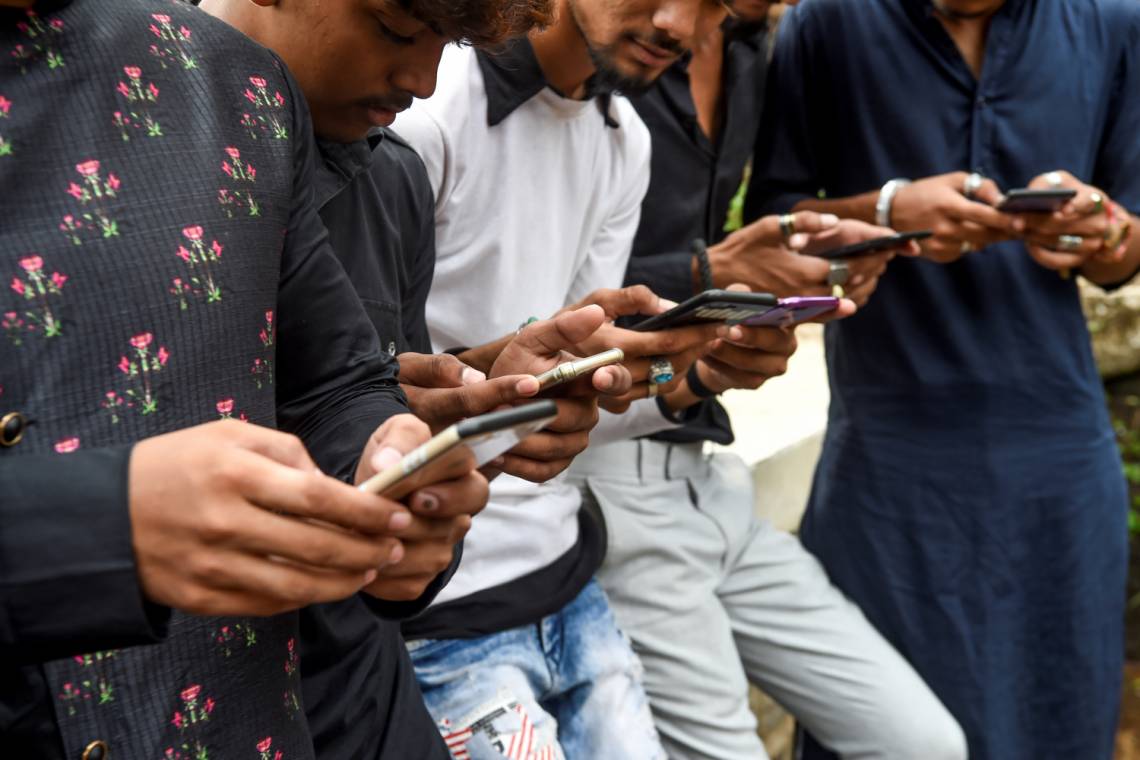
(161, 266)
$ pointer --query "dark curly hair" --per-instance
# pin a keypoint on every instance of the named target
(482, 23)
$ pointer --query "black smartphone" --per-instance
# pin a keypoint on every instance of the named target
(1026, 201)
(725, 306)
(877, 245)
(461, 447)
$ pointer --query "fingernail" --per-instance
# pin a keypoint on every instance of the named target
(798, 240)
(735, 333)
(857, 280)
(666, 303)
(385, 458)
(396, 555)
(399, 521)
(470, 376)
(498, 461)
(370, 576)
(528, 386)
(427, 502)
(603, 381)
(828, 220)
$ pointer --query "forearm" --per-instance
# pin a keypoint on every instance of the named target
(861, 207)
(1109, 273)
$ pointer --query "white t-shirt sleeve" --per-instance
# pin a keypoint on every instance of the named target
(608, 255)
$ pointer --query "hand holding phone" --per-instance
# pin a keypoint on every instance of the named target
(710, 307)
(793, 311)
(465, 445)
(874, 246)
(576, 368)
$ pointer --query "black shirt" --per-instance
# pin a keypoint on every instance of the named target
(361, 695)
(692, 183)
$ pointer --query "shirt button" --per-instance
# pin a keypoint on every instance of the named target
(97, 750)
(12, 427)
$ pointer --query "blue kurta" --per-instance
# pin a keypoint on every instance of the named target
(970, 495)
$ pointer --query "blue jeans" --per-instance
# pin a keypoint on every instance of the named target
(566, 688)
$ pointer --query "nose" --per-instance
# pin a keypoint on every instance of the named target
(417, 71)
(678, 18)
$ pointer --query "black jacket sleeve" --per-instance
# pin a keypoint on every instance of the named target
(336, 385)
(68, 581)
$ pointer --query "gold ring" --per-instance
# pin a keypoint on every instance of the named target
(1098, 202)
(837, 291)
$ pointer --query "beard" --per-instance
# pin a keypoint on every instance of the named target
(608, 75)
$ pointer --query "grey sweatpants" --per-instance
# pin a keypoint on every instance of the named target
(714, 598)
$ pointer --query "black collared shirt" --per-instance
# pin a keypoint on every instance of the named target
(361, 695)
(693, 182)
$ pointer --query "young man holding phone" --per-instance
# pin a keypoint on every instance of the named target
(374, 197)
(713, 598)
(969, 496)
(521, 645)
(133, 515)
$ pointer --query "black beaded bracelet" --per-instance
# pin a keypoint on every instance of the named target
(704, 268)
(698, 388)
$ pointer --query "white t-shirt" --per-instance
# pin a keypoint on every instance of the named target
(531, 214)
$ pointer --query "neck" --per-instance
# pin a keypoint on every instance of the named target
(562, 53)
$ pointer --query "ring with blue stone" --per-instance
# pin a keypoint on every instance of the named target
(660, 370)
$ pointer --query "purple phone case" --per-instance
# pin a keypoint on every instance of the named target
(792, 311)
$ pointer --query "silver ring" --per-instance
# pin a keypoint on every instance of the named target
(837, 272)
(966, 247)
(787, 225)
(1053, 179)
(972, 185)
(660, 370)
(1069, 242)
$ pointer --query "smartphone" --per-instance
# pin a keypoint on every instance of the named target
(792, 311)
(567, 371)
(726, 306)
(877, 245)
(1025, 201)
(470, 443)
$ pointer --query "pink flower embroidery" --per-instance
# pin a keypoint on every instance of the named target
(113, 182)
(134, 72)
(162, 355)
(6, 104)
(184, 32)
(279, 99)
(66, 446)
(265, 744)
(123, 89)
(161, 18)
(209, 705)
(177, 720)
(183, 254)
(18, 286)
(233, 153)
(216, 247)
(31, 263)
(192, 233)
(251, 171)
(257, 81)
(142, 340)
(226, 168)
(269, 316)
(153, 90)
(87, 168)
(58, 279)
(225, 406)
(125, 368)
(190, 693)
(56, 24)
(75, 191)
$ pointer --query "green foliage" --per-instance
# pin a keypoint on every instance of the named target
(1128, 438)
